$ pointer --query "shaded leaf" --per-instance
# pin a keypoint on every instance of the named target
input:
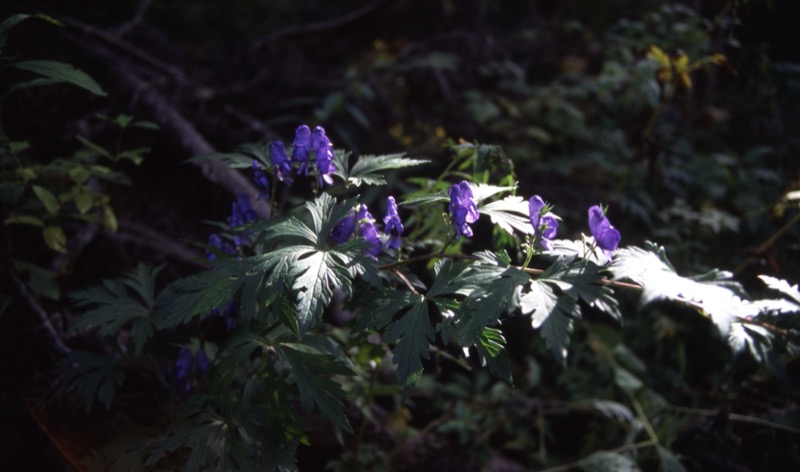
(312, 371)
(413, 333)
(62, 73)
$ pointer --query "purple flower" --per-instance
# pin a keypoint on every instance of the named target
(283, 167)
(344, 228)
(544, 225)
(605, 236)
(462, 207)
(215, 241)
(302, 148)
(203, 362)
(392, 225)
(188, 367)
(324, 150)
(183, 370)
(261, 181)
(368, 231)
(242, 211)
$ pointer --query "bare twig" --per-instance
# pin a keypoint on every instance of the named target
(148, 237)
(141, 10)
(322, 27)
(52, 335)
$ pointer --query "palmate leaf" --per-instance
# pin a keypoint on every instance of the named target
(789, 291)
(311, 370)
(413, 333)
(316, 274)
(369, 170)
(499, 293)
(93, 377)
(382, 307)
(719, 299)
(510, 214)
(551, 314)
(114, 307)
(200, 294)
(492, 353)
(234, 160)
(581, 279)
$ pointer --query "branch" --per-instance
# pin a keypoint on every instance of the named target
(141, 10)
(322, 27)
(52, 335)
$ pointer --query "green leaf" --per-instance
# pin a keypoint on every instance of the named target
(55, 238)
(368, 170)
(316, 274)
(84, 198)
(382, 307)
(100, 150)
(498, 293)
(42, 281)
(312, 371)
(234, 160)
(14, 20)
(113, 307)
(61, 72)
(606, 461)
(510, 214)
(552, 314)
(659, 281)
(47, 198)
(669, 462)
(93, 377)
(483, 192)
(492, 353)
(24, 220)
(782, 286)
(413, 333)
(440, 196)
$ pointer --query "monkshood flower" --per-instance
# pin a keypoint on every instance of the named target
(544, 225)
(188, 367)
(216, 241)
(392, 225)
(283, 166)
(302, 148)
(241, 212)
(261, 181)
(344, 228)
(462, 207)
(324, 150)
(605, 236)
(368, 231)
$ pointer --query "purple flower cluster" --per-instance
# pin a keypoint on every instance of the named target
(305, 141)
(361, 218)
(188, 367)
